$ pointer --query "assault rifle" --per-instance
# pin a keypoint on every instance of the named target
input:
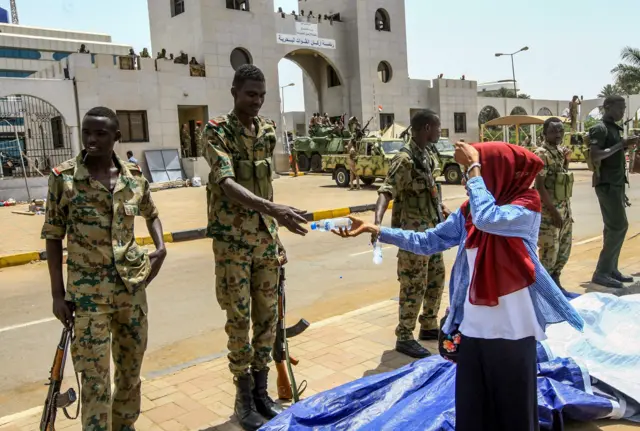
(434, 188)
(56, 400)
(287, 387)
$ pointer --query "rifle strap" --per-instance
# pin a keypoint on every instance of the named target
(64, 410)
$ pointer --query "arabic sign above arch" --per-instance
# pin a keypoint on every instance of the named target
(309, 41)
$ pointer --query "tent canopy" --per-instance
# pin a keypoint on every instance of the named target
(519, 120)
(392, 132)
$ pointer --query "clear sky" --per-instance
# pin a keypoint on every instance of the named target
(573, 44)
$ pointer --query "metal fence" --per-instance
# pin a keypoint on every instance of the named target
(35, 128)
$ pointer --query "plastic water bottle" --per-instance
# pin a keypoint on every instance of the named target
(377, 253)
(329, 224)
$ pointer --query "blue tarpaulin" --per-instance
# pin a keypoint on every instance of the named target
(421, 395)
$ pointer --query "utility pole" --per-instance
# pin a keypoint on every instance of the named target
(14, 13)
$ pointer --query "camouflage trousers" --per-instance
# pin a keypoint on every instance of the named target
(117, 321)
(421, 284)
(246, 288)
(554, 245)
(353, 174)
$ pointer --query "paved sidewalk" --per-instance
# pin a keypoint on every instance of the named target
(332, 352)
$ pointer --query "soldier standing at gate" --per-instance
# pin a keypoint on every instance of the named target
(243, 223)
(411, 185)
(93, 199)
(555, 185)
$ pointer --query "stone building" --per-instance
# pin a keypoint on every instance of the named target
(353, 54)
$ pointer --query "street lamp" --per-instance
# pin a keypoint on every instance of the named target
(24, 171)
(513, 69)
(284, 125)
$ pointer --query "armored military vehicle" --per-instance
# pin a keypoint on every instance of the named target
(374, 159)
(326, 140)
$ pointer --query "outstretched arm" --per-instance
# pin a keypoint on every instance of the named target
(443, 237)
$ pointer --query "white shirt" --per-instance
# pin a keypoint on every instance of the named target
(512, 319)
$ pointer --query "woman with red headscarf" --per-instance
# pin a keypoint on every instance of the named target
(501, 297)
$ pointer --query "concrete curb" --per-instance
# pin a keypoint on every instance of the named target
(184, 235)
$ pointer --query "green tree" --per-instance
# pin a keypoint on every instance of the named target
(627, 73)
(609, 90)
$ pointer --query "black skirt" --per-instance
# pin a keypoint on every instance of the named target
(496, 385)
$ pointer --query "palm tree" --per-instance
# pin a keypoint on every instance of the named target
(628, 73)
(609, 90)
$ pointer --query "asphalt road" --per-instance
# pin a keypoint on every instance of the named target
(326, 275)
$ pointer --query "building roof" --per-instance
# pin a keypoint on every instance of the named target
(518, 120)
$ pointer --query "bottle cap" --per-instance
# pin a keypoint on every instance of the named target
(314, 226)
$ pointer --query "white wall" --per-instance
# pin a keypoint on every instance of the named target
(57, 33)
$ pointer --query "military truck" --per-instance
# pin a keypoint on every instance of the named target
(324, 140)
(451, 170)
(327, 140)
(374, 159)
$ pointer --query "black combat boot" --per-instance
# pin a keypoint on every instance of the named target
(429, 334)
(412, 348)
(265, 405)
(244, 407)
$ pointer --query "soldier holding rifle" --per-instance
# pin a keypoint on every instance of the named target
(243, 223)
(93, 200)
(607, 153)
(417, 206)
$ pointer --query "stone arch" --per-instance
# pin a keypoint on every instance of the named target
(382, 20)
(545, 112)
(518, 110)
(322, 71)
(487, 113)
(41, 131)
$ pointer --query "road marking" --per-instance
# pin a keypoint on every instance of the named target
(369, 251)
(450, 198)
(587, 241)
(24, 325)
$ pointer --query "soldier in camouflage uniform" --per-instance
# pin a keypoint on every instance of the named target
(353, 172)
(555, 185)
(410, 183)
(93, 199)
(200, 143)
(185, 138)
(243, 223)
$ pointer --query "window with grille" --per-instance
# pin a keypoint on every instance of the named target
(133, 126)
(177, 7)
(460, 122)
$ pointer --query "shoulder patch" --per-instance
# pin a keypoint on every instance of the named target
(64, 166)
(134, 168)
(216, 123)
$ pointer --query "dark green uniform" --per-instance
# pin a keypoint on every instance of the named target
(609, 182)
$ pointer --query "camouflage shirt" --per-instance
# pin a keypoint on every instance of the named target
(554, 163)
(413, 206)
(229, 144)
(99, 227)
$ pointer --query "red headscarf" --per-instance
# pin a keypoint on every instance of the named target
(503, 265)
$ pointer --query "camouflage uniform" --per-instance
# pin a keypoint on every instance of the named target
(200, 143)
(185, 137)
(353, 175)
(555, 244)
(245, 242)
(421, 277)
(106, 280)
